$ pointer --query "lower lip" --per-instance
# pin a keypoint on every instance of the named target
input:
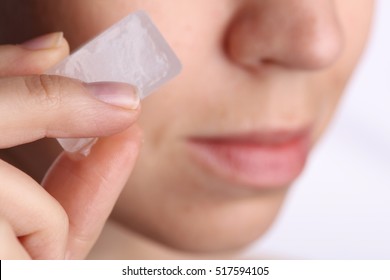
(261, 166)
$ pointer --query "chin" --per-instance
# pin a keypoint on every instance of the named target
(219, 233)
(212, 244)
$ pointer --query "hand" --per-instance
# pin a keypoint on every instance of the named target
(64, 218)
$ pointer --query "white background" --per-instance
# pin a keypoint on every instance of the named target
(212, 269)
(340, 208)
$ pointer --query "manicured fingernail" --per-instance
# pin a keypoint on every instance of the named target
(118, 94)
(48, 41)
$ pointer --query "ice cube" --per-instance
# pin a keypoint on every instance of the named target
(131, 51)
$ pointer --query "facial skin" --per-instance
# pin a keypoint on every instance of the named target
(265, 67)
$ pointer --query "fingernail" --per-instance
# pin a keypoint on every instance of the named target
(48, 41)
(118, 94)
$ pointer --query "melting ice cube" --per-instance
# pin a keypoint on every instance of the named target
(131, 51)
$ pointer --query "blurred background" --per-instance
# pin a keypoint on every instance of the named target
(340, 207)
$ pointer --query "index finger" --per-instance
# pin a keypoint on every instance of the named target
(88, 189)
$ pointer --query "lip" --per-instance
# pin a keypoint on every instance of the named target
(267, 160)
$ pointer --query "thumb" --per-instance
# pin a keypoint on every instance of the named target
(88, 188)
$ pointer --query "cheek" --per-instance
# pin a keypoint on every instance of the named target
(83, 20)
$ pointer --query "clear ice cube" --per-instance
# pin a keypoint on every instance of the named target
(131, 51)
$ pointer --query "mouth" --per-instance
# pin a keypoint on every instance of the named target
(266, 160)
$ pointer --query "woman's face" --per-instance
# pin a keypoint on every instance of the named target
(224, 140)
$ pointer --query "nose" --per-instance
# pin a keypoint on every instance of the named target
(301, 34)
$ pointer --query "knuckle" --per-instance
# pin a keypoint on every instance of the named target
(51, 233)
(46, 90)
(57, 230)
(4, 226)
(56, 219)
(60, 221)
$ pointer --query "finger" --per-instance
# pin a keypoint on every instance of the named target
(34, 56)
(36, 218)
(34, 107)
(88, 189)
(10, 247)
